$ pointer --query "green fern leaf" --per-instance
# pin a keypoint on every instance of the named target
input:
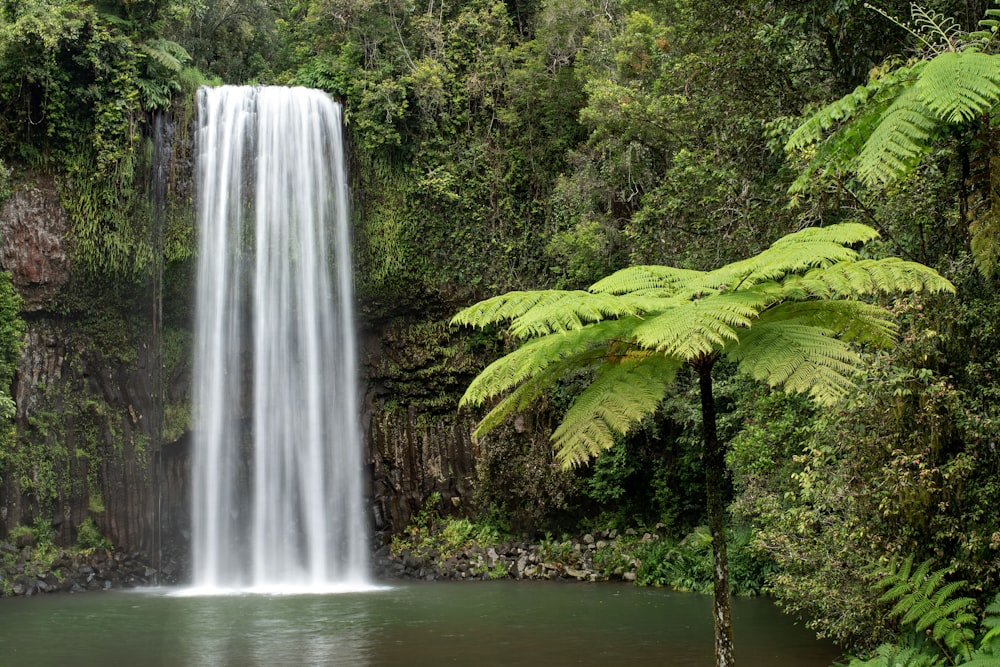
(524, 395)
(895, 145)
(168, 54)
(991, 621)
(847, 320)
(838, 153)
(959, 85)
(638, 279)
(620, 397)
(869, 276)
(541, 312)
(814, 128)
(890, 655)
(696, 328)
(569, 311)
(500, 308)
(535, 356)
(798, 358)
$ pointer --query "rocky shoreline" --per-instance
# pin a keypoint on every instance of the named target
(592, 557)
(598, 556)
(75, 572)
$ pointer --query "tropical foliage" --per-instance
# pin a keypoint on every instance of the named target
(521, 144)
(788, 316)
(940, 623)
(881, 129)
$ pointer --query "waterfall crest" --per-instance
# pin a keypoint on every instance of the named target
(277, 470)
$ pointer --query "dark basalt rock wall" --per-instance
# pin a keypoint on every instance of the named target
(87, 410)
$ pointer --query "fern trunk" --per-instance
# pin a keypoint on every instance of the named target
(715, 462)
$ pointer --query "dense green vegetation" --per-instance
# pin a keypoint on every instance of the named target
(787, 316)
(536, 144)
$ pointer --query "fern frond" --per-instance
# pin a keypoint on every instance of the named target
(699, 327)
(897, 142)
(798, 358)
(891, 655)
(848, 320)
(844, 233)
(989, 26)
(953, 87)
(809, 248)
(168, 54)
(523, 395)
(569, 311)
(828, 117)
(945, 28)
(540, 312)
(957, 86)
(930, 606)
(644, 278)
(533, 357)
(838, 153)
(839, 111)
(991, 620)
(621, 395)
(501, 308)
(868, 276)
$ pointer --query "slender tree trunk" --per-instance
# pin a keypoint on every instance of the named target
(715, 466)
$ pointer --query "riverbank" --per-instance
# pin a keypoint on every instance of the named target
(606, 555)
(24, 572)
(453, 550)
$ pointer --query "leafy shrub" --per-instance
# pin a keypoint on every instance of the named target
(88, 536)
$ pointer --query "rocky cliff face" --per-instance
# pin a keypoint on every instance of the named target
(34, 243)
(86, 446)
(96, 439)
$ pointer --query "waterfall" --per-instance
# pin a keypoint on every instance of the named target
(277, 472)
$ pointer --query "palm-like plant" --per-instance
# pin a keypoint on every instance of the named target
(790, 316)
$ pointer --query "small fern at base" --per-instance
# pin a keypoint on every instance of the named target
(939, 623)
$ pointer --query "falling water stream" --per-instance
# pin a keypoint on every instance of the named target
(277, 502)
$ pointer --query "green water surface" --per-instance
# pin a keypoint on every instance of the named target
(478, 624)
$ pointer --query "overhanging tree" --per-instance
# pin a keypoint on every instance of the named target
(791, 316)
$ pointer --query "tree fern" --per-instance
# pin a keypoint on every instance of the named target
(788, 316)
(895, 116)
(881, 131)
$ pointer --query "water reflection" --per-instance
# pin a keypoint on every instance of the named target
(266, 630)
(484, 624)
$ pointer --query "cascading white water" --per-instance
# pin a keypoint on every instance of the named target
(277, 472)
